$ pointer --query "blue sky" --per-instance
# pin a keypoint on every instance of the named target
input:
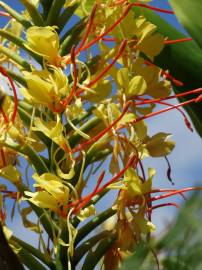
(186, 159)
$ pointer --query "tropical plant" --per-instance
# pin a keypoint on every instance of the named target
(85, 93)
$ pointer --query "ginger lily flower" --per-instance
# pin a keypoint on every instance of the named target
(46, 88)
(45, 42)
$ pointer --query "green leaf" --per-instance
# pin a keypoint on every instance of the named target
(182, 244)
(189, 14)
(183, 60)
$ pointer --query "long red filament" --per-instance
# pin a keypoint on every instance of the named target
(187, 122)
(4, 73)
(173, 193)
(164, 110)
(168, 42)
(103, 132)
(120, 51)
(105, 70)
(86, 200)
(5, 14)
(166, 74)
(119, 21)
(88, 30)
(89, 196)
(162, 205)
(148, 101)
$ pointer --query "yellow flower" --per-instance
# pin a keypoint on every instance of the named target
(135, 186)
(45, 42)
(53, 193)
(52, 129)
(46, 88)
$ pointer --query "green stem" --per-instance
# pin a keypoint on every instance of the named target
(20, 43)
(75, 138)
(91, 225)
(17, 77)
(88, 245)
(20, 18)
(33, 12)
(54, 12)
(71, 37)
(35, 252)
(94, 257)
(15, 57)
(35, 158)
(27, 259)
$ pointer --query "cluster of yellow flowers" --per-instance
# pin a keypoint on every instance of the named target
(78, 109)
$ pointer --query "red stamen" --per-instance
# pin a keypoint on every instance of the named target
(167, 190)
(88, 30)
(167, 42)
(174, 193)
(4, 73)
(187, 123)
(86, 200)
(162, 205)
(3, 157)
(162, 111)
(4, 116)
(133, 159)
(5, 14)
(120, 51)
(166, 74)
(92, 42)
(103, 132)
(89, 195)
(148, 101)
(154, 8)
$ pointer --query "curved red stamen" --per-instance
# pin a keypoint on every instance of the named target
(162, 205)
(119, 21)
(86, 200)
(105, 70)
(148, 101)
(166, 74)
(103, 132)
(88, 30)
(120, 51)
(167, 42)
(4, 116)
(166, 190)
(174, 193)
(163, 110)
(4, 73)
(5, 14)
(187, 122)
